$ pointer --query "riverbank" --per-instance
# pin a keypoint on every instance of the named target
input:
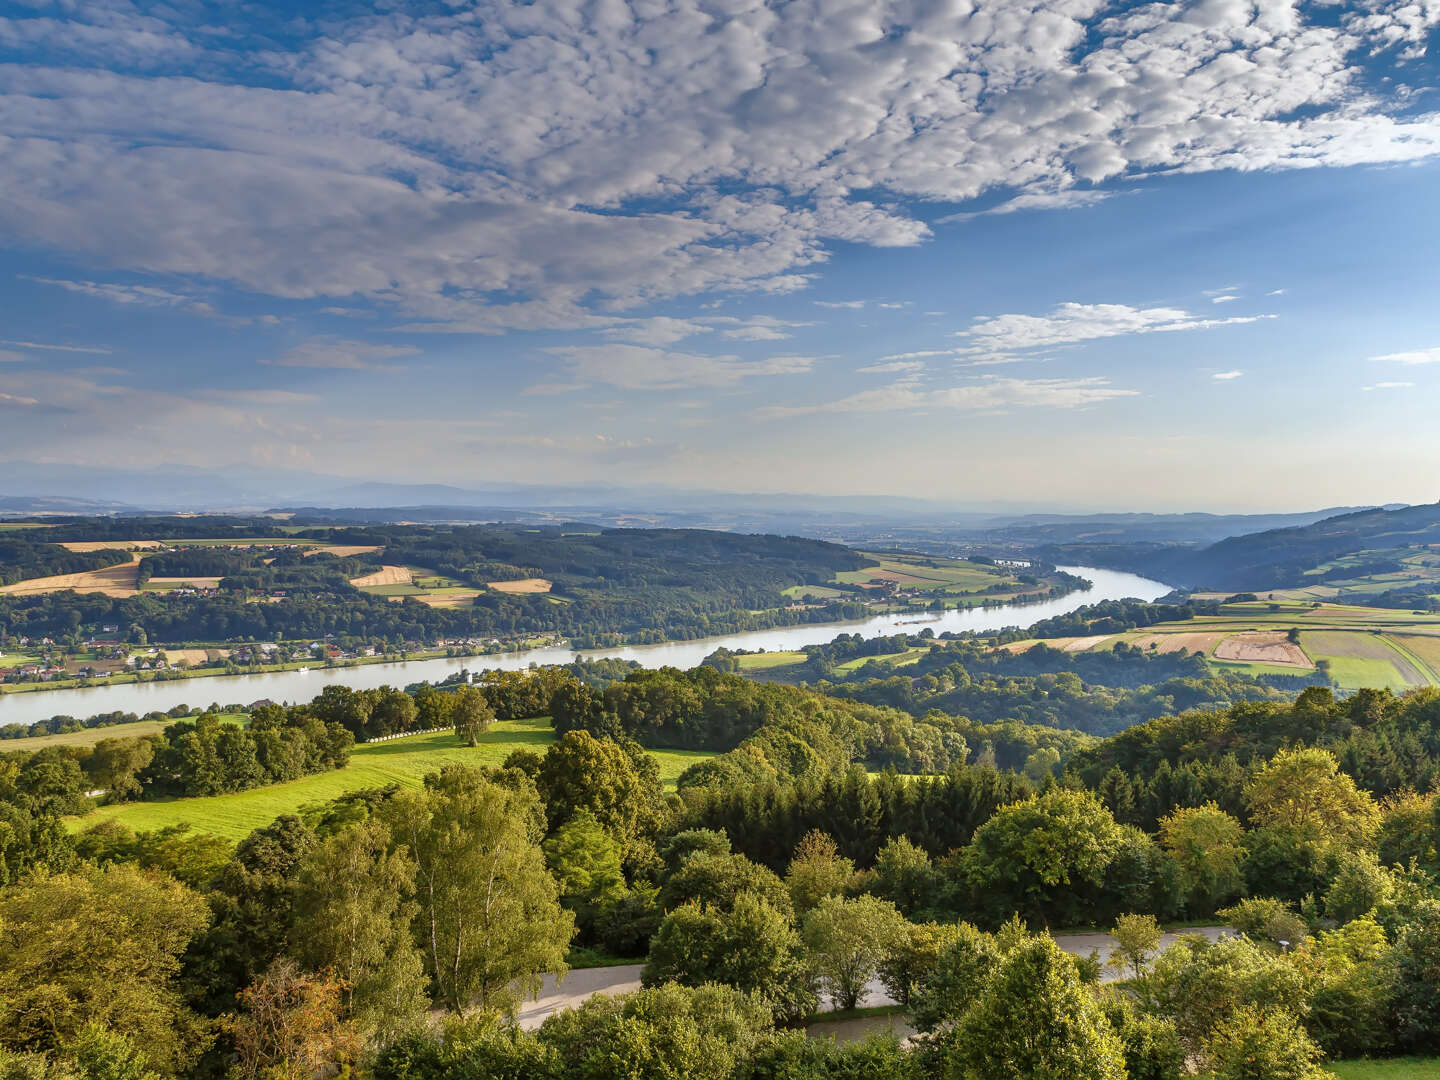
(295, 685)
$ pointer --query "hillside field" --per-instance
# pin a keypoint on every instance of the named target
(955, 582)
(404, 761)
(90, 736)
(1363, 646)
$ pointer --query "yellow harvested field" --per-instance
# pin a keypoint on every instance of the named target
(459, 598)
(1262, 647)
(194, 657)
(117, 581)
(1200, 641)
(386, 575)
(344, 551)
(176, 582)
(101, 545)
(524, 585)
(1064, 644)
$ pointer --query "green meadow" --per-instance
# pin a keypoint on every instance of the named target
(399, 761)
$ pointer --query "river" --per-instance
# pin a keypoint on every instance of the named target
(294, 686)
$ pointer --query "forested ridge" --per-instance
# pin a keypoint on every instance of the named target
(606, 587)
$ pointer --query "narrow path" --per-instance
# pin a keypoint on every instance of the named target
(625, 978)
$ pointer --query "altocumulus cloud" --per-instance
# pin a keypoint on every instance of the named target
(542, 165)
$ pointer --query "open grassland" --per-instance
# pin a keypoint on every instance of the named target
(1360, 659)
(13, 525)
(812, 592)
(90, 736)
(399, 761)
(1386, 1069)
(524, 586)
(899, 659)
(119, 581)
(769, 660)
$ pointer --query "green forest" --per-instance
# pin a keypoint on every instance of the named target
(834, 845)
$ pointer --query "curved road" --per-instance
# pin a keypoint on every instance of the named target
(625, 978)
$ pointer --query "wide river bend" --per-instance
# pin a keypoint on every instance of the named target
(296, 686)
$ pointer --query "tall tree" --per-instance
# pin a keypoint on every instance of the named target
(848, 940)
(471, 714)
(352, 917)
(1036, 1021)
(99, 946)
(1206, 844)
(488, 919)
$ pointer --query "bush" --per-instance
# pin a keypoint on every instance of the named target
(1262, 1044)
(1263, 919)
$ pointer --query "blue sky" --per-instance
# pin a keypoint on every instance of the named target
(1119, 256)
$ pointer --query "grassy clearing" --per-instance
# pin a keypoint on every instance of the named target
(899, 659)
(90, 736)
(1386, 1069)
(399, 761)
(768, 660)
(812, 592)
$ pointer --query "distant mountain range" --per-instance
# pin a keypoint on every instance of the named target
(1146, 542)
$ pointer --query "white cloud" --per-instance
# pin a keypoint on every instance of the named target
(17, 401)
(893, 367)
(1227, 298)
(998, 336)
(1039, 200)
(657, 331)
(634, 367)
(853, 304)
(342, 355)
(988, 394)
(58, 348)
(1226, 376)
(1388, 386)
(580, 160)
(1417, 356)
(1276, 292)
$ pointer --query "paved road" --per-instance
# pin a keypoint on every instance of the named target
(622, 979)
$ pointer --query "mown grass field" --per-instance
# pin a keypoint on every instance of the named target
(768, 660)
(90, 736)
(399, 761)
(1386, 1069)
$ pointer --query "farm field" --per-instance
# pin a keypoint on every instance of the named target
(403, 761)
(925, 573)
(90, 736)
(899, 659)
(522, 587)
(435, 590)
(119, 581)
(1362, 646)
(768, 660)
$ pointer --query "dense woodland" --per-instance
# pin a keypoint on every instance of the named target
(22, 558)
(926, 825)
(780, 876)
(607, 587)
